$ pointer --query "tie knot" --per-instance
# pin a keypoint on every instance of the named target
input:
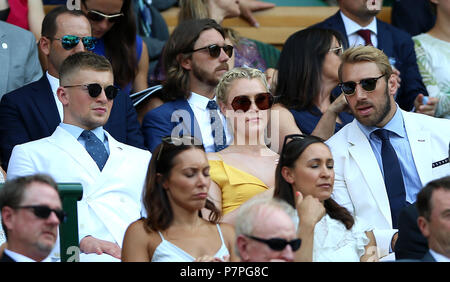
(383, 134)
(212, 105)
(87, 134)
(365, 34)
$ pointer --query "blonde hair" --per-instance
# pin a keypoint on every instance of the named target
(192, 9)
(221, 90)
(366, 54)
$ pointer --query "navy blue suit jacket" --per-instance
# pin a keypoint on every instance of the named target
(398, 45)
(171, 118)
(30, 113)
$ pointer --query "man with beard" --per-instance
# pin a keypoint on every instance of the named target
(356, 21)
(386, 155)
(195, 58)
(31, 213)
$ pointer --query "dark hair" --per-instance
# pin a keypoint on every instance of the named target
(49, 26)
(283, 190)
(13, 191)
(181, 42)
(156, 202)
(83, 60)
(424, 205)
(300, 67)
(120, 46)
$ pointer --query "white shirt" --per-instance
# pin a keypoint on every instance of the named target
(54, 84)
(198, 105)
(438, 257)
(352, 27)
(21, 258)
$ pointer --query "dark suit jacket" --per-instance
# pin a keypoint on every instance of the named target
(30, 113)
(6, 258)
(428, 258)
(413, 16)
(411, 244)
(176, 116)
(396, 44)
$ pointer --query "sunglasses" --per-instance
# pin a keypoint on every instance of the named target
(97, 16)
(337, 50)
(68, 42)
(368, 84)
(94, 90)
(44, 212)
(263, 101)
(177, 141)
(278, 244)
(214, 50)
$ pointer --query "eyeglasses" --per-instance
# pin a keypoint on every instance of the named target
(214, 50)
(368, 84)
(337, 50)
(263, 101)
(177, 141)
(44, 212)
(278, 244)
(97, 16)
(95, 89)
(68, 42)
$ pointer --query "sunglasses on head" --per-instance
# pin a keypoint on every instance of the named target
(177, 141)
(368, 84)
(337, 50)
(278, 244)
(97, 16)
(263, 101)
(70, 41)
(94, 90)
(44, 212)
(214, 50)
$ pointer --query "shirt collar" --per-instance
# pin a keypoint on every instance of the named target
(76, 131)
(21, 258)
(395, 125)
(199, 101)
(352, 27)
(54, 82)
(439, 257)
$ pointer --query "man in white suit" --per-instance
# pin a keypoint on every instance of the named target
(80, 150)
(371, 181)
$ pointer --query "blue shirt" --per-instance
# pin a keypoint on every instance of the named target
(399, 140)
(76, 131)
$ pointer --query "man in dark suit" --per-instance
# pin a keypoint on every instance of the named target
(357, 22)
(31, 213)
(33, 111)
(433, 204)
(195, 58)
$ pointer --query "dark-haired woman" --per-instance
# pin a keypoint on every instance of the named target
(304, 178)
(176, 191)
(113, 23)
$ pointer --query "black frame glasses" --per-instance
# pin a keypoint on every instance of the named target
(368, 84)
(263, 101)
(97, 16)
(214, 50)
(43, 212)
(278, 244)
(68, 42)
(94, 90)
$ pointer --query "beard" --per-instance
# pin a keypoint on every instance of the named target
(206, 77)
(380, 113)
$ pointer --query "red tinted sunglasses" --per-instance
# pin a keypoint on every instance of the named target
(263, 101)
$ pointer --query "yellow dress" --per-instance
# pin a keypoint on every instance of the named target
(237, 186)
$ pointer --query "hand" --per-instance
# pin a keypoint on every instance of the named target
(429, 108)
(247, 8)
(271, 77)
(339, 105)
(394, 241)
(90, 245)
(396, 73)
(309, 209)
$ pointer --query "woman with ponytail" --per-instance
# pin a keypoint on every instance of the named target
(304, 178)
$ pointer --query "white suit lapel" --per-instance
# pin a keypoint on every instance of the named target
(362, 153)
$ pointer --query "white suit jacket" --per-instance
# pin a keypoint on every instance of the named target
(359, 183)
(111, 198)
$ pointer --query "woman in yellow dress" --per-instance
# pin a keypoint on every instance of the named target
(247, 166)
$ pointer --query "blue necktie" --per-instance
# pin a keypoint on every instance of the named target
(218, 130)
(95, 148)
(393, 177)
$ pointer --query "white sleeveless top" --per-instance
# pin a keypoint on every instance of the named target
(168, 252)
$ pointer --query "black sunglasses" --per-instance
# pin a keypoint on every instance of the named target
(95, 89)
(278, 244)
(97, 16)
(263, 101)
(368, 84)
(214, 50)
(68, 42)
(44, 212)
